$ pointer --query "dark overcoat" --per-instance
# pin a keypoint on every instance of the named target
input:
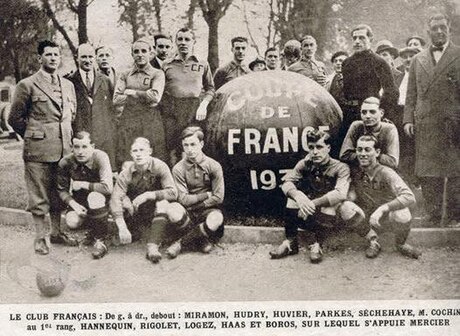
(433, 106)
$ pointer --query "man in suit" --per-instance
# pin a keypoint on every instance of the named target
(104, 59)
(163, 47)
(94, 102)
(42, 112)
(432, 116)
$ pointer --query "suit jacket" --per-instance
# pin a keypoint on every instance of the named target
(95, 113)
(433, 105)
(41, 120)
(154, 62)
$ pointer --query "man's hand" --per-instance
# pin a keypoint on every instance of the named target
(127, 205)
(77, 185)
(123, 232)
(79, 209)
(202, 111)
(130, 92)
(306, 206)
(377, 215)
(142, 198)
(409, 129)
(321, 79)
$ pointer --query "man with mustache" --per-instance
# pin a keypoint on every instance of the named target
(432, 118)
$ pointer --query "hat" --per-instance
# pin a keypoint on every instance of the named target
(422, 41)
(257, 60)
(386, 45)
(409, 50)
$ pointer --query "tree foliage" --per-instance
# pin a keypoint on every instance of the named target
(22, 24)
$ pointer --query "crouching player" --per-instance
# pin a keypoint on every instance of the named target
(383, 196)
(84, 184)
(140, 203)
(200, 184)
(316, 189)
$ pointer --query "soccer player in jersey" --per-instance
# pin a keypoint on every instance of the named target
(316, 190)
(200, 184)
(384, 198)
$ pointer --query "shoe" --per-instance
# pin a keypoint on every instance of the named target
(287, 247)
(316, 253)
(41, 247)
(152, 253)
(206, 246)
(87, 240)
(64, 239)
(174, 250)
(100, 250)
(374, 249)
(409, 251)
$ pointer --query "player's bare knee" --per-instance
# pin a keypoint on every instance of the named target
(348, 210)
(96, 200)
(174, 211)
(73, 221)
(214, 220)
(401, 216)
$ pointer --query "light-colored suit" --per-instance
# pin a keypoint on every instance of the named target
(41, 120)
(44, 121)
(433, 106)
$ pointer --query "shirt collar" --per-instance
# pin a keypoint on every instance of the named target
(89, 164)
(83, 74)
(190, 57)
(148, 69)
(372, 171)
(150, 166)
(47, 75)
(199, 162)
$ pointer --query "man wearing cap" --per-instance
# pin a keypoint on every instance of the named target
(84, 183)
(415, 42)
(163, 46)
(137, 95)
(407, 144)
(432, 116)
(371, 123)
(258, 64)
(365, 74)
(308, 65)
(236, 67)
(42, 110)
(335, 80)
(188, 91)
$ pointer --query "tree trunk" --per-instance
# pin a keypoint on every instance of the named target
(82, 21)
(213, 44)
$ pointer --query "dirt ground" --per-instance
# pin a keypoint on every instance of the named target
(230, 273)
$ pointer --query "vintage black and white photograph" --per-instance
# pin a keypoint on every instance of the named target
(218, 152)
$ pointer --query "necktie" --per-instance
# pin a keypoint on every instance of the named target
(88, 82)
(53, 79)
